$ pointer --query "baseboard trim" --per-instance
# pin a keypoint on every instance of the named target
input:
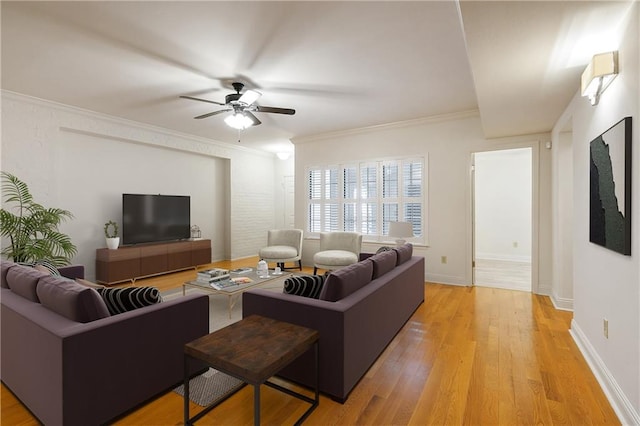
(561, 303)
(544, 289)
(618, 400)
(503, 257)
(445, 279)
(505, 286)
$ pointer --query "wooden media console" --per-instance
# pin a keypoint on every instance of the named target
(133, 262)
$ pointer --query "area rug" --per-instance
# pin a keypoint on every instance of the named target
(210, 387)
(213, 385)
(219, 304)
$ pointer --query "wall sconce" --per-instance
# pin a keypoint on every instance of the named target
(400, 231)
(283, 155)
(600, 72)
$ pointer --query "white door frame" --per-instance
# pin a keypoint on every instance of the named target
(535, 201)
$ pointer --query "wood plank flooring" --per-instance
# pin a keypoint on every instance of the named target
(468, 356)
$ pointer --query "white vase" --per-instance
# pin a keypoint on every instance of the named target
(113, 243)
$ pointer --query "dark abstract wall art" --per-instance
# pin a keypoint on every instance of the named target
(610, 188)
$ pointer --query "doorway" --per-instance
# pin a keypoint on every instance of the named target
(502, 218)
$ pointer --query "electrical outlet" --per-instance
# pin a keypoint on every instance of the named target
(606, 328)
(443, 259)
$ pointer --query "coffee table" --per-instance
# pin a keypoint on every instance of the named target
(253, 350)
(235, 290)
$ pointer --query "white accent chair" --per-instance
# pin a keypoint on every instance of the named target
(337, 249)
(283, 245)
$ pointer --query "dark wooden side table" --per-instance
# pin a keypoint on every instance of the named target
(253, 350)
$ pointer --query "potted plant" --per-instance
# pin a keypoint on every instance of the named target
(111, 234)
(31, 228)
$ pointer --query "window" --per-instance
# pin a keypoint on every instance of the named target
(365, 197)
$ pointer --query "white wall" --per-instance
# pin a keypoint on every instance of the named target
(562, 205)
(503, 205)
(606, 284)
(449, 143)
(83, 162)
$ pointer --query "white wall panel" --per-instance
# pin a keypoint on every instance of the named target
(606, 284)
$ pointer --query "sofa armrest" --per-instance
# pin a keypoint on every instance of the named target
(304, 311)
(89, 373)
(140, 350)
(288, 306)
(364, 256)
(72, 271)
(328, 318)
(353, 331)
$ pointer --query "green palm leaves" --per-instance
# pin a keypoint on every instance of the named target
(31, 228)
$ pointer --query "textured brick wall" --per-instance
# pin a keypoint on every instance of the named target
(252, 209)
(84, 161)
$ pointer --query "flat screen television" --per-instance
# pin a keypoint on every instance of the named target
(150, 218)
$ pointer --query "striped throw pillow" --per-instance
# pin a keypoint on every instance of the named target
(43, 265)
(304, 285)
(119, 300)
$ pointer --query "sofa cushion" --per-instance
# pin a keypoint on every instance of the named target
(88, 283)
(383, 262)
(23, 280)
(71, 300)
(334, 258)
(44, 266)
(405, 252)
(304, 285)
(72, 271)
(383, 248)
(344, 281)
(5, 265)
(119, 300)
(278, 252)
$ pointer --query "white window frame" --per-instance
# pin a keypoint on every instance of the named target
(337, 202)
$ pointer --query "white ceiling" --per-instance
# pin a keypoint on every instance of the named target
(341, 65)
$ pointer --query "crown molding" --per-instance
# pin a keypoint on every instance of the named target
(19, 97)
(388, 126)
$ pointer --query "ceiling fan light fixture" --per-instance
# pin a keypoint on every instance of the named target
(249, 97)
(238, 121)
(242, 106)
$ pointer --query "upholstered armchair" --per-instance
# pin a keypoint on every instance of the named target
(283, 245)
(337, 249)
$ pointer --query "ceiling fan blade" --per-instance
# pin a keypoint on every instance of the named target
(287, 111)
(211, 113)
(249, 97)
(253, 118)
(201, 100)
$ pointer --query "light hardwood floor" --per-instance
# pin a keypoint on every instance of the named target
(503, 274)
(467, 356)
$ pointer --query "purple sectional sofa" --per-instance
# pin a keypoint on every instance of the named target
(71, 363)
(360, 309)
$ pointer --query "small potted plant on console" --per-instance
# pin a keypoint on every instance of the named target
(111, 235)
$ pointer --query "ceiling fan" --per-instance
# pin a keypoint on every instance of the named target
(243, 106)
